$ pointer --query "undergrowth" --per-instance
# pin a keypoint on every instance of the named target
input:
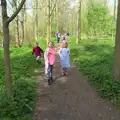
(23, 67)
(95, 59)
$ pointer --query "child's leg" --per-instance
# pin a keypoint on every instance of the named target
(38, 59)
(63, 71)
(49, 73)
(66, 71)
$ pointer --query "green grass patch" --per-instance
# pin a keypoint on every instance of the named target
(95, 59)
(23, 66)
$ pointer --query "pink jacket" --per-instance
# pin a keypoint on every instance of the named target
(49, 57)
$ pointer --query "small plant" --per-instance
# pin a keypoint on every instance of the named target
(23, 66)
(95, 59)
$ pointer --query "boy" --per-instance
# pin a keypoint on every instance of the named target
(37, 51)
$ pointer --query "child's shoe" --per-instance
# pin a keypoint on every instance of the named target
(51, 79)
(49, 82)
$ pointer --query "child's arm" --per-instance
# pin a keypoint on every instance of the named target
(33, 51)
(69, 51)
(46, 55)
(60, 51)
(41, 50)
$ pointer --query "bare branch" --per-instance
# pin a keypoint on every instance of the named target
(53, 8)
(16, 12)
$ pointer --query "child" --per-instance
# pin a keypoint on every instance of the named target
(64, 57)
(49, 57)
(58, 36)
(37, 51)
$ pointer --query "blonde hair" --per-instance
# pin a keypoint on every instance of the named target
(51, 42)
(64, 44)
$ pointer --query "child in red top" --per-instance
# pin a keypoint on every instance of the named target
(37, 51)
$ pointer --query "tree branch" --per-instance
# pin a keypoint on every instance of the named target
(53, 8)
(16, 12)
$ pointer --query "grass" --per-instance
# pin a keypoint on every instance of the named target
(95, 59)
(23, 67)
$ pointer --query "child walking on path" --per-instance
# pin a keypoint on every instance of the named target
(64, 57)
(37, 51)
(49, 57)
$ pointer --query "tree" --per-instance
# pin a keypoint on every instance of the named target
(36, 19)
(22, 23)
(17, 38)
(79, 23)
(116, 71)
(6, 21)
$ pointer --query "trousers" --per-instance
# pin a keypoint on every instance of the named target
(50, 71)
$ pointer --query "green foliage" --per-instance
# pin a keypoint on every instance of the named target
(99, 20)
(95, 59)
(24, 84)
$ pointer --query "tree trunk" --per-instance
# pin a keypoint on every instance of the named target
(17, 32)
(36, 19)
(79, 23)
(48, 22)
(22, 24)
(7, 59)
(115, 3)
(6, 43)
(6, 20)
(116, 72)
(17, 41)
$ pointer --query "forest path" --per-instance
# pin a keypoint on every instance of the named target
(71, 98)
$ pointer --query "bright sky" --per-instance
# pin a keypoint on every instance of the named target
(111, 2)
(29, 3)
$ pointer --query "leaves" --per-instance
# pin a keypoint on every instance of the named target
(23, 66)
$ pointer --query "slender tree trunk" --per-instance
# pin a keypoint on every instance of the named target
(6, 20)
(57, 17)
(79, 23)
(17, 32)
(7, 59)
(49, 22)
(17, 41)
(116, 72)
(22, 24)
(50, 18)
(6, 43)
(36, 20)
(115, 3)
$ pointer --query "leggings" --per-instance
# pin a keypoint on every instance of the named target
(58, 40)
(50, 71)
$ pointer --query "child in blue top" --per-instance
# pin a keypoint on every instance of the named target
(64, 57)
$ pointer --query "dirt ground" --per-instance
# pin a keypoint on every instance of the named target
(71, 98)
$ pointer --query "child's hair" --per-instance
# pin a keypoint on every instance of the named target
(51, 42)
(64, 44)
(36, 43)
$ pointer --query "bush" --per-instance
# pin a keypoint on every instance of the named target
(23, 66)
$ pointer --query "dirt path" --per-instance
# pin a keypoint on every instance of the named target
(71, 98)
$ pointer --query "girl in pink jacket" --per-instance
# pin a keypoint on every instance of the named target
(49, 57)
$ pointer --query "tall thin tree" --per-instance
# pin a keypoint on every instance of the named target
(6, 43)
(116, 72)
(79, 23)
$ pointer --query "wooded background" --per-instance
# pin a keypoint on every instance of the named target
(40, 19)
